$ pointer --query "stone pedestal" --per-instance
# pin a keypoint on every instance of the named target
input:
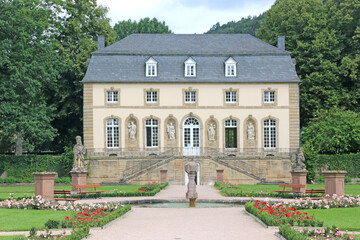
(44, 184)
(334, 182)
(299, 177)
(191, 169)
(78, 177)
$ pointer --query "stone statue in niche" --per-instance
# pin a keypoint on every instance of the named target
(298, 161)
(251, 131)
(170, 129)
(211, 132)
(79, 151)
(132, 130)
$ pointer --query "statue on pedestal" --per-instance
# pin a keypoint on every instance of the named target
(79, 151)
(298, 161)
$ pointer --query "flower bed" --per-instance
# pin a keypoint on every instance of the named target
(333, 234)
(94, 218)
(276, 215)
(39, 203)
(333, 202)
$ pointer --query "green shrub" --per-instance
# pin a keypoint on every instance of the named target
(62, 180)
(22, 167)
(348, 162)
(291, 234)
(52, 224)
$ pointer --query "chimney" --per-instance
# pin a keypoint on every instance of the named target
(281, 42)
(101, 42)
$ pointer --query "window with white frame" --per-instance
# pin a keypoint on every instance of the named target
(190, 68)
(112, 133)
(269, 96)
(230, 97)
(151, 133)
(270, 133)
(112, 96)
(190, 97)
(230, 67)
(151, 67)
(151, 96)
(230, 133)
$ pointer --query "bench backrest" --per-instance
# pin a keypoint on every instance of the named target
(88, 186)
(62, 192)
(291, 185)
(315, 191)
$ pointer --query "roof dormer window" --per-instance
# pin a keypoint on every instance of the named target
(151, 67)
(190, 68)
(230, 67)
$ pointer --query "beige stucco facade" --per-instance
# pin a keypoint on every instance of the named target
(210, 103)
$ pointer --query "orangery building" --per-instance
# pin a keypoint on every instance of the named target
(153, 102)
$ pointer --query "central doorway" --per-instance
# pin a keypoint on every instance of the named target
(191, 137)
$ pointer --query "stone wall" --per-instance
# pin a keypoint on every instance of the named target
(110, 169)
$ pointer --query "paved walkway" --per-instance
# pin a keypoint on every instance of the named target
(184, 223)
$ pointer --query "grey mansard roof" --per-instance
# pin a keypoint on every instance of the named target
(257, 61)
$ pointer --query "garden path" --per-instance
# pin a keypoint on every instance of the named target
(185, 223)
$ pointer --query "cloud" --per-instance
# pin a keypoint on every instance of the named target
(186, 16)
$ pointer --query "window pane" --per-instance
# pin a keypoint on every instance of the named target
(148, 136)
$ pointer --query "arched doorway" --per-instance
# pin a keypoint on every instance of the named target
(191, 136)
(197, 180)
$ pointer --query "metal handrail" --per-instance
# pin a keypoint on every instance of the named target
(189, 152)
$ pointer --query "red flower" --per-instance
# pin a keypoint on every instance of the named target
(66, 217)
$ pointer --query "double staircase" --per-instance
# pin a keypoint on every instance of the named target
(230, 162)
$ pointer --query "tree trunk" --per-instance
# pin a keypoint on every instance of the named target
(19, 142)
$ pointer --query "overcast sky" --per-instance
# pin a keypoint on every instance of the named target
(185, 16)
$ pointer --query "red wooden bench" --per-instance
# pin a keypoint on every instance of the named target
(65, 193)
(84, 193)
(286, 185)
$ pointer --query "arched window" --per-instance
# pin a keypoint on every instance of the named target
(270, 133)
(152, 132)
(231, 133)
(112, 133)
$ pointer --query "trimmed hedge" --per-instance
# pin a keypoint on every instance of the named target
(348, 162)
(291, 234)
(22, 167)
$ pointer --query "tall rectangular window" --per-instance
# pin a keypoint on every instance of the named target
(230, 134)
(230, 96)
(112, 96)
(269, 97)
(151, 133)
(190, 97)
(151, 96)
(112, 133)
(270, 133)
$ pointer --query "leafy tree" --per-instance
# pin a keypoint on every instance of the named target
(125, 28)
(344, 18)
(28, 68)
(334, 131)
(315, 48)
(247, 25)
(83, 21)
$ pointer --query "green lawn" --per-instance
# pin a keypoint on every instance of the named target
(14, 237)
(343, 218)
(30, 191)
(24, 220)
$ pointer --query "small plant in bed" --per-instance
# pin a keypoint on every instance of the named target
(278, 214)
